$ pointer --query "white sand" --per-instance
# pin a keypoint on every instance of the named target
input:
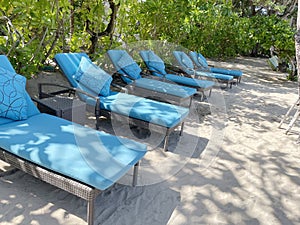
(231, 166)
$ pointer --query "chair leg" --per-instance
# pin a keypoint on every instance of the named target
(291, 124)
(202, 96)
(135, 174)
(288, 112)
(181, 130)
(166, 141)
(90, 212)
(209, 93)
(97, 122)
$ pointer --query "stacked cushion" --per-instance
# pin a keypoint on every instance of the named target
(93, 77)
(129, 67)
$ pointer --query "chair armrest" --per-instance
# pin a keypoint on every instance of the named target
(176, 70)
(120, 87)
(43, 94)
(66, 89)
(124, 75)
(36, 100)
(70, 90)
(155, 71)
(203, 69)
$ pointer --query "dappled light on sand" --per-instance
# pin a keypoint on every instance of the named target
(253, 178)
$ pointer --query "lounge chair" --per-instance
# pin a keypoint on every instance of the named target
(187, 66)
(163, 117)
(201, 63)
(77, 159)
(156, 67)
(145, 85)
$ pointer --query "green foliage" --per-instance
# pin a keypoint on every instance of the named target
(214, 28)
(31, 31)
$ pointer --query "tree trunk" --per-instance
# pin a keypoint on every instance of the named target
(297, 47)
(71, 18)
(109, 29)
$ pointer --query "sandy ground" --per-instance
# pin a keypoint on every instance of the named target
(233, 165)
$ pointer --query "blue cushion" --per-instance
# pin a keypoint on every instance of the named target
(199, 60)
(156, 63)
(152, 57)
(69, 63)
(4, 120)
(130, 67)
(5, 63)
(190, 81)
(31, 107)
(184, 61)
(121, 103)
(214, 75)
(166, 88)
(202, 60)
(84, 154)
(6, 66)
(93, 77)
(188, 63)
(13, 103)
(158, 67)
(235, 73)
(83, 66)
(158, 113)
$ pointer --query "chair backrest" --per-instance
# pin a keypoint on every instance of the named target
(124, 64)
(153, 62)
(184, 62)
(199, 60)
(69, 64)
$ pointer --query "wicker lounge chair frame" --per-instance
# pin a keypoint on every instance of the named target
(99, 112)
(163, 78)
(180, 68)
(58, 180)
(158, 96)
(213, 69)
(148, 93)
(68, 184)
(166, 131)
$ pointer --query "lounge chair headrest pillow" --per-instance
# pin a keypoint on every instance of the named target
(13, 103)
(202, 60)
(156, 63)
(187, 62)
(129, 67)
(93, 77)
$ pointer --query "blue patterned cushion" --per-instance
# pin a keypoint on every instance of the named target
(93, 77)
(13, 103)
(130, 67)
